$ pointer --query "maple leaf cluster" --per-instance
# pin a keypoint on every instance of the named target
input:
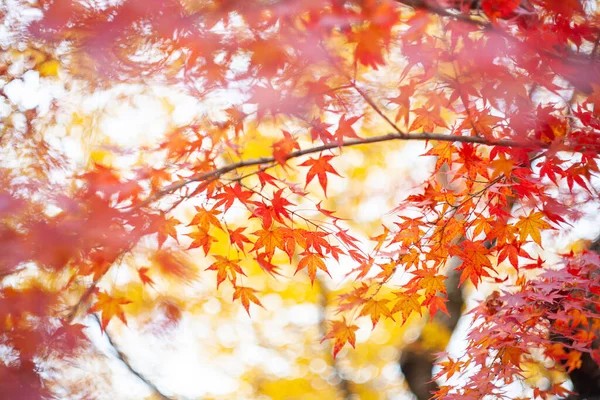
(503, 95)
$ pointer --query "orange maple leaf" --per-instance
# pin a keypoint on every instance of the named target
(501, 166)
(166, 228)
(341, 333)
(369, 47)
(511, 355)
(435, 303)
(173, 264)
(375, 309)
(345, 128)
(282, 148)
(270, 239)
(238, 238)
(246, 295)
(429, 280)
(201, 238)
(427, 119)
(319, 167)
(109, 306)
(449, 368)
(406, 303)
(206, 218)
(312, 262)
(573, 360)
(267, 266)
(225, 266)
(475, 261)
(143, 274)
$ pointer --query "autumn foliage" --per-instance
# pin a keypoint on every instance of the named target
(501, 94)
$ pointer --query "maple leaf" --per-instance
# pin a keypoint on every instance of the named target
(166, 228)
(204, 218)
(480, 122)
(270, 239)
(225, 267)
(282, 148)
(429, 280)
(345, 128)
(143, 274)
(501, 166)
(403, 100)
(102, 179)
(375, 309)
(327, 213)
(109, 306)
(174, 264)
(279, 204)
(353, 298)
(475, 261)
(266, 266)
(364, 268)
(427, 120)
(201, 238)
(237, 237)
(380, 239)
(369, 50)
(449, 368)
(265, 179)
(246, 295)
(444, 151)
(531, 226)
(341, 333)
(236, 116)
(319, 167)
(435, 303)
(573, 360)
(511, 355)
(387, 270)
(406, 303)
(319, 131)
(316, 240)
(229, 195)
(499, 8)
(312, 262)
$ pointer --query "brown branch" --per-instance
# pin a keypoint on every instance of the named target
(425, 136)
(571, 58)
(125, 360)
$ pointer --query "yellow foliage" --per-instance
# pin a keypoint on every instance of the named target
(300, 389)
(435, 336)
(49, 68)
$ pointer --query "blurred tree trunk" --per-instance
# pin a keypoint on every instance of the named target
(417, 359)
(586, 380)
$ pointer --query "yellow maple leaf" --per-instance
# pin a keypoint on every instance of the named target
(375, 309)
(531, 226)
(501, 166)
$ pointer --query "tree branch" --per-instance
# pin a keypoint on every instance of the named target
(425, 136)
(125, 360)
(571, 58)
